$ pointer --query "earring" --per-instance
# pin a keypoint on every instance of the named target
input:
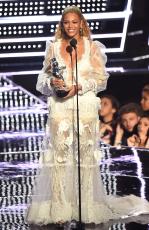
(81, 32)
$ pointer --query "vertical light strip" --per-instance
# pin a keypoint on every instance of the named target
(128, 12)
(139, 172)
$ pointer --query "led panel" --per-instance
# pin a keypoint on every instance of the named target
(26, 25)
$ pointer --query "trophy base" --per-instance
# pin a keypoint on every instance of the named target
(61, 93)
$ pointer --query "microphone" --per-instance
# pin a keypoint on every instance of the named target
(73, 43)
(69, 49)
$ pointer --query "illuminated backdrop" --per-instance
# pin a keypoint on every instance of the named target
(26, 25)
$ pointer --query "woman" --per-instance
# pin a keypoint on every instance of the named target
(141, 139)
(145, 98)
(56, 190)
(108, 115)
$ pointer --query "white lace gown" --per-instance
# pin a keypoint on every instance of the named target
(55, 194)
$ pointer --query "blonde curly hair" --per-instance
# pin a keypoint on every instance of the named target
(85, 30)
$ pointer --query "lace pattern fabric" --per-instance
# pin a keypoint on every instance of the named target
(55, 194)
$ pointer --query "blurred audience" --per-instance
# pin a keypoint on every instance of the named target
(141, 139)
(108, 116)
(127, 125)
(145, 98)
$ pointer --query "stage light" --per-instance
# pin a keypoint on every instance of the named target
(34, 8)
(25, 54)
(139, 173)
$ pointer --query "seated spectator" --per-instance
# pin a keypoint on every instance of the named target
(107, 116)
(145, 98)
(129, 116)
(141, 139)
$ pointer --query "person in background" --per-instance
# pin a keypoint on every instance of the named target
(108, 115)
(128, 118)
(145, 98)
(141, 139)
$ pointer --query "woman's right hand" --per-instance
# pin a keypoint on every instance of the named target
(56, 82)
(73, 91)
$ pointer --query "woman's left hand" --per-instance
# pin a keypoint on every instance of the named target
(73, 91)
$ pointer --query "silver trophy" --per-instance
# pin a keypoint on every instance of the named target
(57, 72)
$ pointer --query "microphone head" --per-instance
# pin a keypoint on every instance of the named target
(73, 42)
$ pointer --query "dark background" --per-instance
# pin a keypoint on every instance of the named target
(126, 86)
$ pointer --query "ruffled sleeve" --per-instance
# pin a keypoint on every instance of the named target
(96, 78)
(43, 81)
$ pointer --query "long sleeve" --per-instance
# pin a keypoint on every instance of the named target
(96, 77)
(43, 81)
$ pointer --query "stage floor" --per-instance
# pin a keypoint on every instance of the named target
(22, 121)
